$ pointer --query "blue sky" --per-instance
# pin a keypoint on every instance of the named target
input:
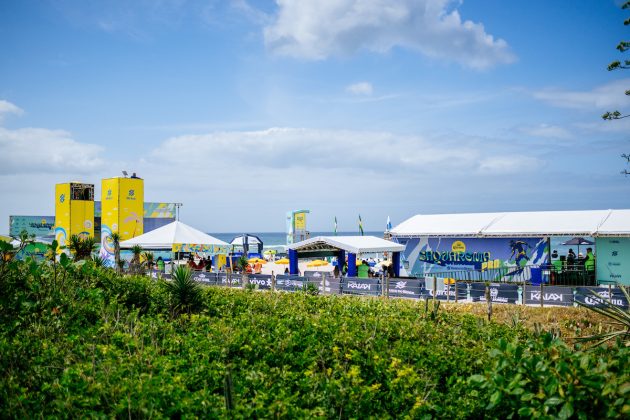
(243, 110)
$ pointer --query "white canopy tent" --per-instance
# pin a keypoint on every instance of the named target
(352, 244)
(173, 233)
(616, 224)
(520, 224)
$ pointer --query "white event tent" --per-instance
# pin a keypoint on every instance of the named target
(517, 224)
(352, 244)
(175, 233)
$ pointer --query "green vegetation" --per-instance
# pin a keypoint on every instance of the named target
(78, 340)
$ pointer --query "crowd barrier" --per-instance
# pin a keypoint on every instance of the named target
(449, 289)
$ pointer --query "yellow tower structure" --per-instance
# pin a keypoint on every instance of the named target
(122, 212)
(74, 211)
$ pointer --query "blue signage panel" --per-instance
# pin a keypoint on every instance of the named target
(499, 292)
(410, 288)
(551, 295)
(596, 296)
(361, 286)
(260, 281)
(508, 256)
(290, 283)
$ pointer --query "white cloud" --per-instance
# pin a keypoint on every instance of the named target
(318, 29)
(319, 151)
(503, 165)
(7, 107)
(29, 150)
(547, 131)
(361, 88)
(605, 97)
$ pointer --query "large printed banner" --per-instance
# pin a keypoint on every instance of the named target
(290, 283)
(151, 210)
(499, 292)
(40, 226)
(359, 286)
(410, 288)
(260, 281)
(551, 295)
(596, 296)
(438, 255)
(209, 249)
(447, 293)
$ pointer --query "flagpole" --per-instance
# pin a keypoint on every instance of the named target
(360, 225)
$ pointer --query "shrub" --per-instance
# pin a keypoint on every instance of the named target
(184, 292)
(543, 377)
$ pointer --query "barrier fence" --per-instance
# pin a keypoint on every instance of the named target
(449, 289)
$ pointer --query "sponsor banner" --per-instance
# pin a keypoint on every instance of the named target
(317, 274)
(151, 210)
(551, 295)
(155, 274)
(506, 257)
(40, 226)
(260, 281)
(232, 280)
(290, 283)
(411, 288)
(448, 292)
(328, 285)
(197, 248)
(360, 286)
(614, 294)
(204, 277)
(159, 210)
(499, 292)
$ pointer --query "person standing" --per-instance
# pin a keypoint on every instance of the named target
(570, 259)
(589, 265)
(160, 264)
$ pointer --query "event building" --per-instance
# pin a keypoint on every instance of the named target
(441, 243)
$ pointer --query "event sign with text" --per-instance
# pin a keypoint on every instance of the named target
(434, 255)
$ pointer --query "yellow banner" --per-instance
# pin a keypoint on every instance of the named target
(208, 249)
(300, 221)
(62, 213)
(131, 208)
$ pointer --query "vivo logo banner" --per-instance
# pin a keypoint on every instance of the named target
(260, 281)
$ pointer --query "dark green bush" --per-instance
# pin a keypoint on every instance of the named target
(87, 342)
(543, 377)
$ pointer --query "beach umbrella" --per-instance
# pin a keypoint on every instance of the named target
(317, 263)
(283, 261)
(578, 241)
(270, 252)
(256, 260)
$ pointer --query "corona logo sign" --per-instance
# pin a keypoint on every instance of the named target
(458, 246)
